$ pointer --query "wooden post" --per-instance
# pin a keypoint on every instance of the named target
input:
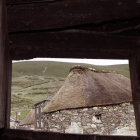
(134, 64)
(5, 71)
(8, 92)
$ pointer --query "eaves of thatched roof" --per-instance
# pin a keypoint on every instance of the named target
(29, 119)
(84, 88)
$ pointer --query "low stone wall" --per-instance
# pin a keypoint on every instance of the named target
(93, 120)
(14, 125)
(27, 127)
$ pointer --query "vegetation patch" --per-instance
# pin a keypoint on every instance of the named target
(36, 93)
(16, 101)
(23, 113)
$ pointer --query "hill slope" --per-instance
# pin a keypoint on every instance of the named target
(122, 66)
(59, 69)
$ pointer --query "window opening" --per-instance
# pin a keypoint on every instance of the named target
(98, 117)
(34, 84)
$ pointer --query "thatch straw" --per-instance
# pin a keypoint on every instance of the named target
(29, 119)
(85, 88)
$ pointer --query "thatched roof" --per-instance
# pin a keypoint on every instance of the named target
(84, 88)
(29, 119)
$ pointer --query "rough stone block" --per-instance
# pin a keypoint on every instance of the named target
(90, 131)
(74, 128)
(93, 125)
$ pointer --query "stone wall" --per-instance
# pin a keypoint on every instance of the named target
(30, 127)
(93, 120)
(14, 125)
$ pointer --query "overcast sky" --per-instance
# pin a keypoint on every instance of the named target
(88, 61)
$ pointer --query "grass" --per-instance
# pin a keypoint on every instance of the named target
(121, 66)
(23, 113)
(27, 90)
(17, 101)
(27, 83)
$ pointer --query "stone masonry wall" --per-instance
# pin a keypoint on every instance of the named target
(94, 120)
(30, 127)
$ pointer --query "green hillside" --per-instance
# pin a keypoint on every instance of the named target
(122, 66)
(59, 69)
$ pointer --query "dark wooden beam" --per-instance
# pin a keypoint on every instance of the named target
(5, 71)
(67, 13)
(134, 64)
(9, 134)
(72, 44)
(8, 90)
(14, 2)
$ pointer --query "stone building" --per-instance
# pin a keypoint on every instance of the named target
(34, 118)
(90, 102)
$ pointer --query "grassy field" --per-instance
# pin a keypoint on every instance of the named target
(30, 84)
(23, 113)
(28, 90)
(122, 66)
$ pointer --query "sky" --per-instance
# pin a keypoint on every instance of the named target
(88, 61)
